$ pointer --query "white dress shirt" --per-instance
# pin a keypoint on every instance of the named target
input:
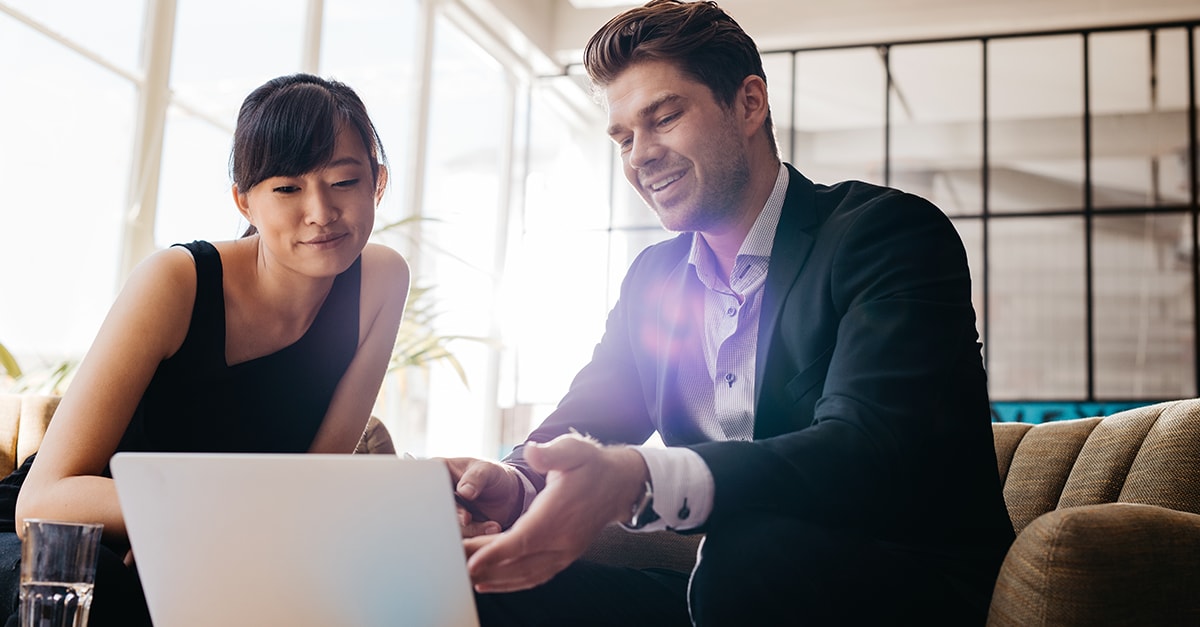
(717, 382)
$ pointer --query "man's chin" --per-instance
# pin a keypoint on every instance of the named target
(671, 220)
(678, 225)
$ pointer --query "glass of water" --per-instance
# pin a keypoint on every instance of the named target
(58, 569)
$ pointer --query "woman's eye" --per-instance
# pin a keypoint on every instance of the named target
(285, 189)
(346, 183)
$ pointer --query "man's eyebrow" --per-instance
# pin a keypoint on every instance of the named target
(649, 110)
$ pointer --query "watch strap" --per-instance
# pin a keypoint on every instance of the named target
(642, 512)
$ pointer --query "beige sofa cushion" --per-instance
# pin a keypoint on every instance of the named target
(1106, 564)
(23, 420)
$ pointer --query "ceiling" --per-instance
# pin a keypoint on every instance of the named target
(784, 24)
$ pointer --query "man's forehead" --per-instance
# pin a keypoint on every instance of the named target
(634, 107)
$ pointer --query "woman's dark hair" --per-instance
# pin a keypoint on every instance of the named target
(289, 126)
(700, 38)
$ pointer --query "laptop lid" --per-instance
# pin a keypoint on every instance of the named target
(283, 539)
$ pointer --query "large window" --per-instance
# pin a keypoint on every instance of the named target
(66, 126)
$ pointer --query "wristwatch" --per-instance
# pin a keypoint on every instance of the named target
(642, 512)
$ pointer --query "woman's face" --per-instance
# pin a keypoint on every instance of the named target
(317, 223)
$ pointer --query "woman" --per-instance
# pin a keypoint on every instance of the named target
(275, 342)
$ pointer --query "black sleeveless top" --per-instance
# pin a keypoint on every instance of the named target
(272, 404)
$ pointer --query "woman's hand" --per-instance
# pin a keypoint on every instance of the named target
(490, 495)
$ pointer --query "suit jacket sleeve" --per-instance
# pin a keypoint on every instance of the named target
(610, 398)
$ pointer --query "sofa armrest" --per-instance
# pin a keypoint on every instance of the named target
(375, 439)
(1111, 564)
(653, 549)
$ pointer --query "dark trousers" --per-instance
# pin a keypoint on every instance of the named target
(593, 595)
(766, 570)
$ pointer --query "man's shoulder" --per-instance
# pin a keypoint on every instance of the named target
(853, 194)
(850, 200)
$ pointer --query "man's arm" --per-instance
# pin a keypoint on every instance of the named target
(607, 399)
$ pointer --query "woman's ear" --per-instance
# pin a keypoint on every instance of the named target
(243, 204)
(381, 183)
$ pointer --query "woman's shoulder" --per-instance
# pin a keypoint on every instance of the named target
(385, 265)
(173, 264)
(385, 278)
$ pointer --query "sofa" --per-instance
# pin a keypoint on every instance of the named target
(1106, 511)
(24, 417)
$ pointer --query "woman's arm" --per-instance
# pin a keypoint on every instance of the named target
(385, 279)
(147, 323)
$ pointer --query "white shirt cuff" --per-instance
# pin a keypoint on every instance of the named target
(683, 487)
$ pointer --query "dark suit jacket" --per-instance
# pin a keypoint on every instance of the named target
(871, 399)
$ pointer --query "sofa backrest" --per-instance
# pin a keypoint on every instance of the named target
(23, 420)
(24, 417)
(1148, 455)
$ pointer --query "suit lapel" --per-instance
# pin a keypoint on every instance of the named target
(793, 242)
(680, 323)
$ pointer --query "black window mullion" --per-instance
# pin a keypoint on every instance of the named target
(985, 181)
(885, 52)
(1089, 270)
(1194, 199)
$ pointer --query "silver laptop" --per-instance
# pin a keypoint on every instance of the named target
(298, 540)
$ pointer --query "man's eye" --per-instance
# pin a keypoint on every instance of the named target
(667, 120)
(285, 189)
(346, 183)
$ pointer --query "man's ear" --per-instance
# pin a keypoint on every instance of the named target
(243, 203)
(381, 183)
(753, 97)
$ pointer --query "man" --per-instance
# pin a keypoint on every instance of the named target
(809, 355)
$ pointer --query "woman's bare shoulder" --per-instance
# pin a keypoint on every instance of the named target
(384, 266)
(173, 266)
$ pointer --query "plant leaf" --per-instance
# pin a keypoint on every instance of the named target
(9, 363)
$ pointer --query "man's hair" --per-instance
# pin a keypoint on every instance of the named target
(699, 38)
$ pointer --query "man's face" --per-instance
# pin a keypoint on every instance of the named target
(682, 151)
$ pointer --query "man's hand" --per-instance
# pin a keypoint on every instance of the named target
(588, 486)
(491, 489)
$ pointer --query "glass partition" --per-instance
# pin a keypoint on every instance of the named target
(1037, 329)
(1143, 307)
(1035, 124)
(937, 123)
(840, 101)
(1139, 129)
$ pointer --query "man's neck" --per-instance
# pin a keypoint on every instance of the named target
(726, 240)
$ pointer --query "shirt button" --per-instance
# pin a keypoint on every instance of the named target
(730, 378)
(731, 312)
